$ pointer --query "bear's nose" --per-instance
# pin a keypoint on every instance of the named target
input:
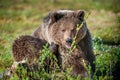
(69, 40)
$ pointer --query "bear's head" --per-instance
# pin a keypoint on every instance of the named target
(63, 27)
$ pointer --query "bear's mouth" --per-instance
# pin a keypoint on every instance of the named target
(68, 46)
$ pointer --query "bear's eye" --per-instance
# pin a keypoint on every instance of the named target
(63, 30)
(72, 30)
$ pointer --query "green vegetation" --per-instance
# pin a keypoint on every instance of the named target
(22, 17)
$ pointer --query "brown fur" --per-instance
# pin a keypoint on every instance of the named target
(69, 25)
(58, 26)
(26, 47)
(25, 51)
(74, 60)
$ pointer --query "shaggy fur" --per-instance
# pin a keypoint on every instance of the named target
(60, 25)
(26, 49)
(74, 60)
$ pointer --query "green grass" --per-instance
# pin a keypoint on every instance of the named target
(22, 17)
(105, 25)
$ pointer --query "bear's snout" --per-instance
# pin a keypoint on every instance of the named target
(69, 40)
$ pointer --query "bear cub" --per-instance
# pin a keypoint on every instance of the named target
(25, 51)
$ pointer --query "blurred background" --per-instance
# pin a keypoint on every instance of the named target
(22, 17)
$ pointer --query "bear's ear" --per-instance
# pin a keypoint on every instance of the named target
(55, 16)
(80, 15)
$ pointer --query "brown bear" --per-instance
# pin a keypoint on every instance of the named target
(26, 47)
(25, 50)
(74, 60)
(60, 27)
